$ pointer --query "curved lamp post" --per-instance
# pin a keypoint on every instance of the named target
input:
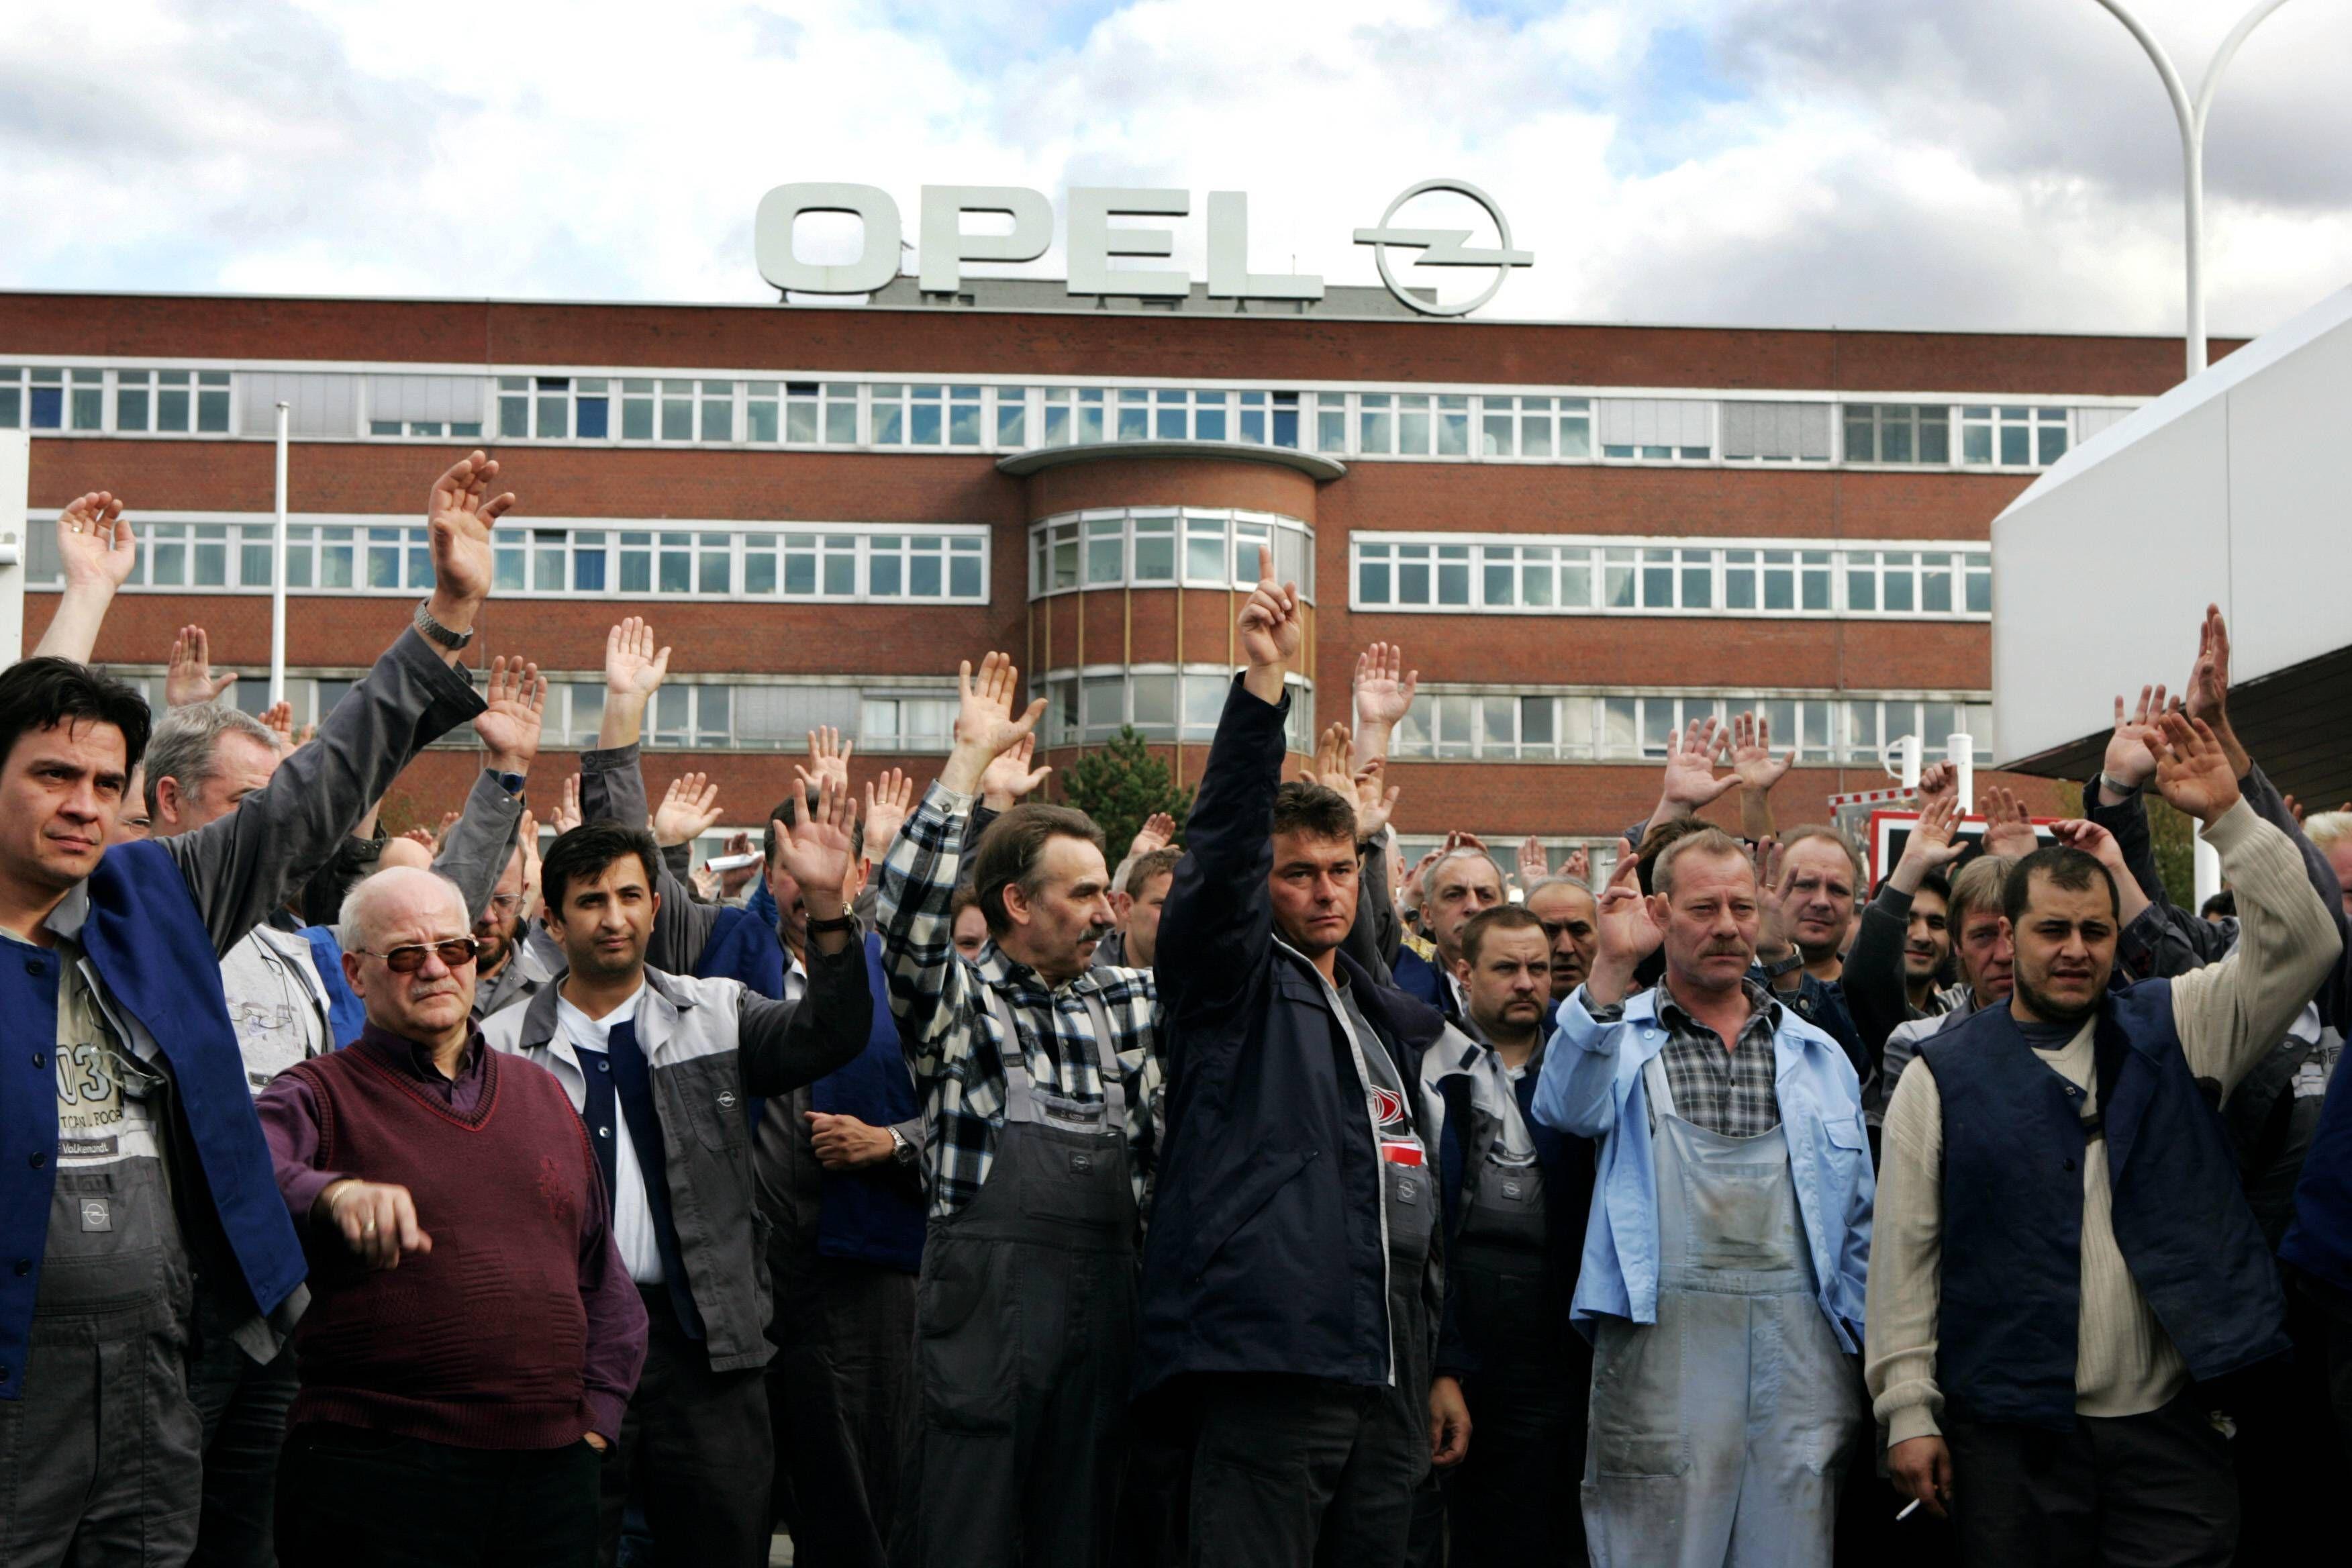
(2191, 113)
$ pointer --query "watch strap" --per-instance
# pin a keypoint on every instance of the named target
(1780, 966)
(839, 922)
(433, 632)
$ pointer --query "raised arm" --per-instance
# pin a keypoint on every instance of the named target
(785, 1045)
(1690, 780)
(1384, 691)
(1876, 993)
(1575, 1092)
(476, 853)
(244, 865)
(98, 548)
(1758, 770)
(1375, 802)
(612, 787)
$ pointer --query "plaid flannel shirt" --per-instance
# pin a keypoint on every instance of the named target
(955, 1046)
(1730, 1092)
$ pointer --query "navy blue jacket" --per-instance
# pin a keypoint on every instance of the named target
(2013, 1141)
(1264, 1249)
(1421, 979)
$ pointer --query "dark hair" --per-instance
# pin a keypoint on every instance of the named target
(1315, 811)
(788, 812)
(2224, 902)
(42, 693)
(1936, 883)
(1010, 851)
(1502, 916)
(2064, 867)
(588, 849)
(1160, 862)
(963, 899)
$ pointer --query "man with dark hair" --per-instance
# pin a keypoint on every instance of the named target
(1723, 1260)
(1039, 1077)
(489, 1376)
(141, 1180)
(1137, 904)
(1516, 1193)
(1291, 1279)
(283, 983)
(1567, 911)
(660, 1068)
(2062, 1243)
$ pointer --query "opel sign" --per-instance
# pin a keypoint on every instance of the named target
(1093, 245)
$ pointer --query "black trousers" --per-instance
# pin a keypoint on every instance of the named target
(840, 1395)
(353, 1499)
(1289, 1471)
(2130, 1491)
(1516, 1497)
(696, 1445)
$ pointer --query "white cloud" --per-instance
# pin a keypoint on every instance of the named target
(2003, 164)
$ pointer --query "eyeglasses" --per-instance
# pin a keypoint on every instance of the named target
(457, 953)
(507, 903)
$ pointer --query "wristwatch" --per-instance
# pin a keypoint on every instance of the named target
(839, 922)
(511, 782)
(900, 1150)
(432, 631)
(1780, 966)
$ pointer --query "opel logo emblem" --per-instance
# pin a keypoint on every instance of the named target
(1444, 247)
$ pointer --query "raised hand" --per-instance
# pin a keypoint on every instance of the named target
(2099, 844)
(1159, 830)
(632, 667)
(815, 849)
(459, 518)
(985, 726)
(1272, 628)
(566, 815)
(1690, 780)
(689, 809)
(1578, 867)
(2130, 760)
(1773, 925)
(1329, 766)
(1009, 780)
(278, 720)
(2208, 691)
(188, 680)
(1376, 800)
(706, 884)
(831, 754)
(1627, 932)
(95, 546)
(888, 798)
(1384, 687)
(1752, 762)
(527, 840)
(1938, 778)
(733, 882)
(510, 727)
(2192, 771)
(1933, 844)
(1535, 862)
(2009, 825)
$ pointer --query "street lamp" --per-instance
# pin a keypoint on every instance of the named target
(2191, 115)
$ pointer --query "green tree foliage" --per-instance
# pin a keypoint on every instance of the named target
(1121, 783)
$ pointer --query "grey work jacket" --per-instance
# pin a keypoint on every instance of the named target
(711, 1045)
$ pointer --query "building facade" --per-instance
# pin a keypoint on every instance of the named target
(1582, 535)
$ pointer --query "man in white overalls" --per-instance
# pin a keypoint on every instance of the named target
(1727, 1252)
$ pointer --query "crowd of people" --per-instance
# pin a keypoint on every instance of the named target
(939, 1191)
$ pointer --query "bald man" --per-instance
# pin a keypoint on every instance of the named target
(473, 1338)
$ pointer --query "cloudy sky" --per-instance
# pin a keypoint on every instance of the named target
(1972, 164)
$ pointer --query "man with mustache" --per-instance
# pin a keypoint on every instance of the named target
(1515, 1197)
(1723, 1275)
(2064, 1245)
(1039, 1076)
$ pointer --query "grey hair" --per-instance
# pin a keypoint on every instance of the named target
(186, 745)
(1428, 877)
(352, 917)
(1545, 884)
(1712, 842)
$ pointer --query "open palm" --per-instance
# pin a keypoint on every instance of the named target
(459, 518)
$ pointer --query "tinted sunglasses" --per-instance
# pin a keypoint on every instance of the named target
(455, 953)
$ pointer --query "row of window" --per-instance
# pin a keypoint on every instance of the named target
(1825, 728)
(1161, 702)
(1582, 575)
(980, 418)
(850, 562)
(1160, 546)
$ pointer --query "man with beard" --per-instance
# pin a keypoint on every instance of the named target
(1515, 1195)
(1567, 911)
(2065, 1252)
(660, 1068)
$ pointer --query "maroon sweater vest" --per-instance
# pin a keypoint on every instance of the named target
(478, 1343)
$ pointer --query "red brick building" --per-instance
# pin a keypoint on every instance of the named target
(1581, 534)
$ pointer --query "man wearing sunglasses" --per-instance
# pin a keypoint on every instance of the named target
(492, 1372)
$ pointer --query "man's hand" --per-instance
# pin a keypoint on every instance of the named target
(689, 809)
(527, 840)
(1010, 779)
(1690, 780)
(985, 727)
(1627, 932)
(2099, 844)
(377, 1220)
(1159, 830)
(829, 756)
(1921, 1467)
(188, 680)
(2208, 687)
(846, 1143)
(1384, 693)
(1449, 1423)
(595, 1441)
(2192, 771)
(632, 673)
(566, 815)
(889, 800)
(2009, 824)
(510, 727)
(97, 548)
(1535, 862)
(1773, 923)
(1752, 762)
(1578, 867)
(1329, 765)
(705, 882)
(1938, 778)
(1933, 844)
(814, 852)
(458, 520)
(1272, 628)
(2130, 760)
(278, 720)
(1376, 801)
(733, 882)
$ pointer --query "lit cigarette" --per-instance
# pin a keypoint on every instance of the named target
(1908, 1509)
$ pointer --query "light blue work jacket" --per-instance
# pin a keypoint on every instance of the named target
(1591, 1087)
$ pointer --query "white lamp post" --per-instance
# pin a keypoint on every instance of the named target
(2191, 113)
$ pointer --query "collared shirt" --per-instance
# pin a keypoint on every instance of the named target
(954, 1045)
(1729, 1091)
(633, 1216)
